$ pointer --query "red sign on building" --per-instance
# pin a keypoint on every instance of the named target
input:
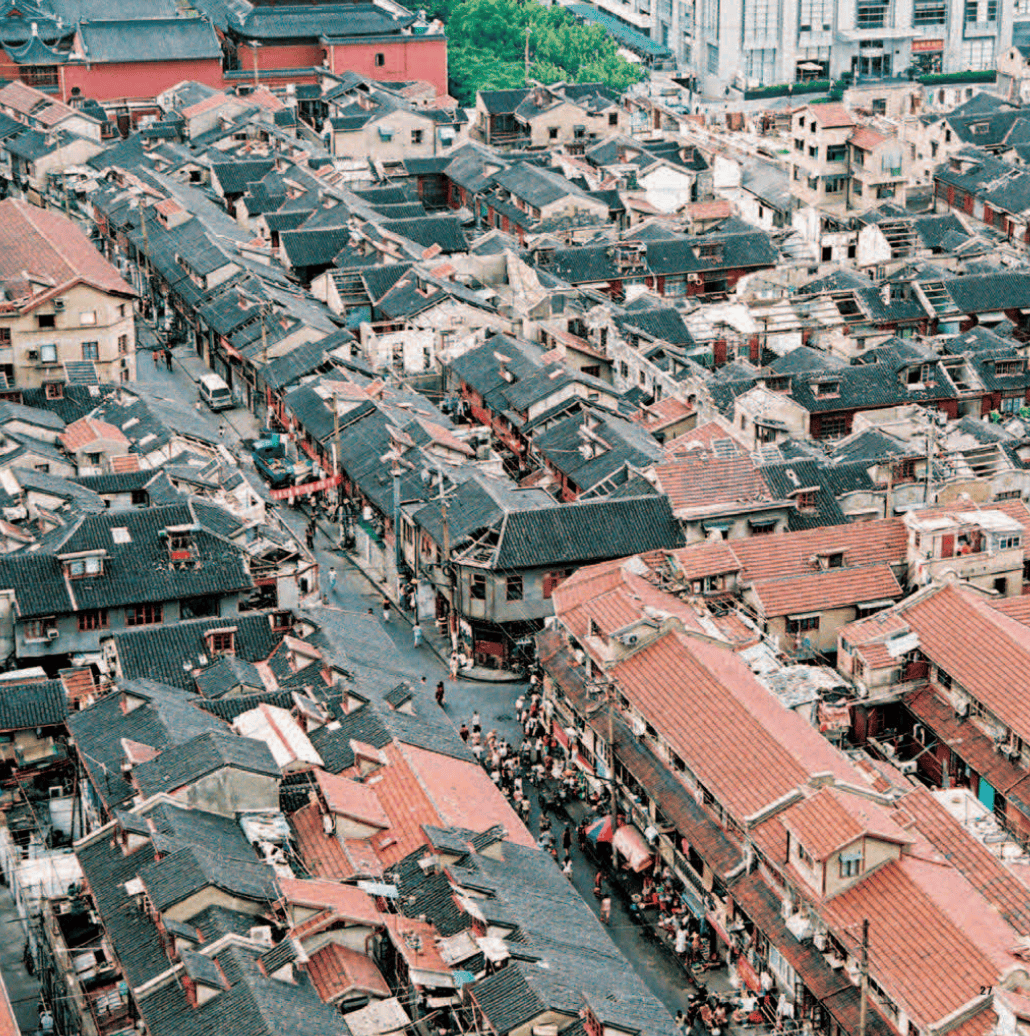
(292, 492)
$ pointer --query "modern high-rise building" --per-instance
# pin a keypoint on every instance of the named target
(765, 42)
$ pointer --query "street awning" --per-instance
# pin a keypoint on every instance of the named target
(629, 842)
(600, 830)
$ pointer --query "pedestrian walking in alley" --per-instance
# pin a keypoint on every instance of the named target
(168, 360)
(309, 535)
(566, 839)
(332, 579)
(439, 694)
(452, 665)
(606, 909)
(477, 724)
(157, 358)
(221, 429)
(416, 636)
(386, 610)
(463, 732)
(566, 867)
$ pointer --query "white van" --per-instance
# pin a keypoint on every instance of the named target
(215, 393)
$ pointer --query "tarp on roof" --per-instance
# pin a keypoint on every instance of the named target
(630, 844)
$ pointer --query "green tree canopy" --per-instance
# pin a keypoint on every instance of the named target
(488, 39)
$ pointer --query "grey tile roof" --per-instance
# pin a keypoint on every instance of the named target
(444, 231)
(40, 704)
(137, 567)
(182, 764)
(150, 39)
(579, 533)
(203, 969)
(226, 674)
(628, 444)
(168, 717)
(254, 1004)
(189, 870)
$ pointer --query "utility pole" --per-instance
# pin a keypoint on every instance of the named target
(336, 455)
(931, 438)
(398, 553)
(863, 988)
(529, 29)
(612, 788)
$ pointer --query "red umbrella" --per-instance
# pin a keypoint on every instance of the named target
(599, 830)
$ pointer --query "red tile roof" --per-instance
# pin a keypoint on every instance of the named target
(613, 595)
(8, 1021)
(830, 116)
(757, 901)
(344, 901)
(865, 138)
(831, 819)
(706, 484)
(968, 743)
(87, 430)
(351, 799)
(406, 803)
(130, 462)
(991, 657)
(335, 970)
(463, 794)
(51, 247)
(819, 590)
(883, 542)
(734, 735)
(323, 855)
(984, 871)
(1017, 608)
(924, 961)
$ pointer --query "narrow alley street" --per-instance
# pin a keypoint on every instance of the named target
(387, 648)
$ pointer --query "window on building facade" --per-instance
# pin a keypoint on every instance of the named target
(123, 344)
(872, 14)
(761, 20)
(144, 614)
(833, 428)
(513, 588)
(803, 624)
(815, 15)
(380, 60)
(41, 77)
(477, 587)
(980, 11)
(92, 619)
(713, 59)
(760, 65)
(48, 353)
(5, 337)
(850, 865)
(930, 12)
(91, 350)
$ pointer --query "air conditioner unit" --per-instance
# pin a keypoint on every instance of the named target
(1012, 752)
(639, 729)
(58, 305)
(32, 354)
(261, 934)
(908, 767)
(962, 710)
(51, 633)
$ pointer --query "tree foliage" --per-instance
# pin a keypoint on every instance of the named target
(488, 40)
